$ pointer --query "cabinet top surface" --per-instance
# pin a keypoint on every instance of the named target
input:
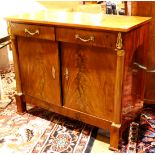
(81, 20)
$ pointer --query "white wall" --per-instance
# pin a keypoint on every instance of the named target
(13, 7)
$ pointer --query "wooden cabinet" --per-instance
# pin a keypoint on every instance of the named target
(81, 69)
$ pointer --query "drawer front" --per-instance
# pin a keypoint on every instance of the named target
(88, 37)
(35, 31)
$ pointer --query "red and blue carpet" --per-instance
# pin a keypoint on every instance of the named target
(141, 134)
(41, 131)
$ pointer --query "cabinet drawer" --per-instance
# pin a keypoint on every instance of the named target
(35, 31)
(88, 37)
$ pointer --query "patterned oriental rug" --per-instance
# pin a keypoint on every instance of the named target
(38, 130)
(41, 131)
(7, 86)
(141, 134)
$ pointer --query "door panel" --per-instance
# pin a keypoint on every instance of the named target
(88, 79)
(39, 66)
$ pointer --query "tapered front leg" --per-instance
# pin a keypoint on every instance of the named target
(114, 136)
(21, 105)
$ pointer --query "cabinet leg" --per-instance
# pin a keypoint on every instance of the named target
(114, 136)
(21, 104)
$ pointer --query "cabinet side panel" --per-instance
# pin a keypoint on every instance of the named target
(146, 8)
(134, 76)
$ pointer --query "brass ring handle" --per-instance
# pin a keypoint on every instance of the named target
(31, 33)
(53, 72)
(91, 38)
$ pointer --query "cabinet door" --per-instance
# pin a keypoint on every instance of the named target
(88, 79)
(39, 67)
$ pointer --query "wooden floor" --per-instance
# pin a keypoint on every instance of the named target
(101, 143)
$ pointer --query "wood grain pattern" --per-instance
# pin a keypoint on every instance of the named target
(90, 86)
(82, 20)
(16, 63)
(118, 86)
(135, 46)
(101, 38)
(43, 32)
(146, 8)
(37, 57)
(21, 105)
(72, 113)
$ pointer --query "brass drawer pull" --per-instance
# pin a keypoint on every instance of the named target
(31, 33)
(144, 68)
(53, 72)
(140, 66)
(151, 71)
(91, 38)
